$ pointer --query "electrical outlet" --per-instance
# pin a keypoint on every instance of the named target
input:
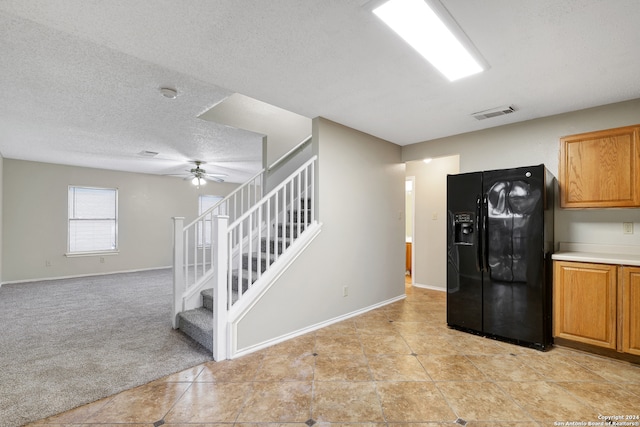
(47, 263)
(102, 259)
(345, 291)
(627, 228)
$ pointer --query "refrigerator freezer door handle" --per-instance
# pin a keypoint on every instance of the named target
(478, 237)
(485, 234)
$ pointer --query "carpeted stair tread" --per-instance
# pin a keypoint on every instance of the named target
(305, 203)
(280, 242)
(207, 298)
(302, 216)
(198, 324)
(261, 255)
(245, 279)
(286, 230)
(258, 259)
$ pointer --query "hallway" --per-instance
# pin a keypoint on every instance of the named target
(395, 365)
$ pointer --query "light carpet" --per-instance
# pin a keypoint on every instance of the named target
(68, 342)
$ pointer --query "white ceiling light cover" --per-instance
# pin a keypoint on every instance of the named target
(419, 25)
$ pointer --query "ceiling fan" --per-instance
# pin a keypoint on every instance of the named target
(199, 176)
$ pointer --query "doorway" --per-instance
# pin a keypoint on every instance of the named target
(426, 214)
(409, 227)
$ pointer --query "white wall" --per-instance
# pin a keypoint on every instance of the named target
(34, 218)
(430, 220)
(361, 245)
(282, 171)
(1, 213)
(537, 141)
(284, 129)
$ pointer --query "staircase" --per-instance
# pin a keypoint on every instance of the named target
(197, 323)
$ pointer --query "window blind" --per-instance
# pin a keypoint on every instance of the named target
(206, 202)
(93, 219)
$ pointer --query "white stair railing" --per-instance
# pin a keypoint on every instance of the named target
(281, 216)
(194, 254)
(219, 248)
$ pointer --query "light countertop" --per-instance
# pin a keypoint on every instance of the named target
(602, 254)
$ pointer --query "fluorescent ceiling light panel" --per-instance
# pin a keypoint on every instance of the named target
(420, 26)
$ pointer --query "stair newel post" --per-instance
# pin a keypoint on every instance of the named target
(178, 268)
(220, 248)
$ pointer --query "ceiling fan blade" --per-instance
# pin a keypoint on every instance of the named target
(199, 172)
(213, 178)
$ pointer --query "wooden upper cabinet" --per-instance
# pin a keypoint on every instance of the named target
(600, 169)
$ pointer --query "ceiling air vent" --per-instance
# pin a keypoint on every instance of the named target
(493, 112)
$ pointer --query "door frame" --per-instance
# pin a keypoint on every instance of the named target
(412, 214)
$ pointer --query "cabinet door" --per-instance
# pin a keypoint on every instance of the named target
(584, 303)
(600, 169)
(631, 310)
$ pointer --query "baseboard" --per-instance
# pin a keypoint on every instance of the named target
(282, 338)
(431, 287)
(76, 276)
(613, 354)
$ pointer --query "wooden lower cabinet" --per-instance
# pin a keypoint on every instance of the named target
(630, 303)
(598, 305)
(585, 302)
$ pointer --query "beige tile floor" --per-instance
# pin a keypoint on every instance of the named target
(398, 365)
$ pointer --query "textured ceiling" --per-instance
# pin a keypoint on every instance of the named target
(80, 78)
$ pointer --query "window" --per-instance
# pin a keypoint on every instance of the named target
(206, 202)
(93, 220)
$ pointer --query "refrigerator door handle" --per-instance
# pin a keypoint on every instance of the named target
(479, 239)
(485, 234)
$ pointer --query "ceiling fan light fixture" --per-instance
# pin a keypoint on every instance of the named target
(198, 181)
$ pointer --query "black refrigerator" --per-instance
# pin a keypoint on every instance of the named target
(499, 245)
